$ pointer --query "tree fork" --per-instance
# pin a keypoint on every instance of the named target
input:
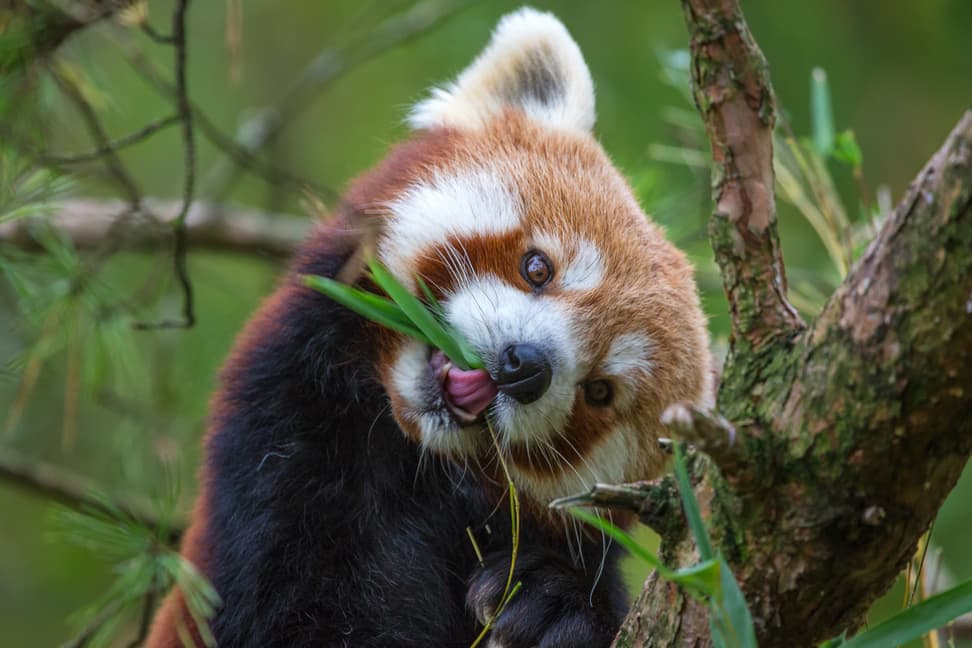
(849, 434)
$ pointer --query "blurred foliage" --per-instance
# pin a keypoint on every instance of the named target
(144, 568)
(80, 388)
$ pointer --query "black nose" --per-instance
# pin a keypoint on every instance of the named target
(524, 372)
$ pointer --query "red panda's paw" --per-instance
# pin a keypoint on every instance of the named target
(557, 605)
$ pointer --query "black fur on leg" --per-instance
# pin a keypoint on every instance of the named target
(558, 603)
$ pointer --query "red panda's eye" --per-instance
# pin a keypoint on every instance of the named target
(536, 268)
(598, 393)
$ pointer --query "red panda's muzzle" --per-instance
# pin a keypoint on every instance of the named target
(467, 393)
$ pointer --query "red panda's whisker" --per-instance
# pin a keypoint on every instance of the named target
(468, 261)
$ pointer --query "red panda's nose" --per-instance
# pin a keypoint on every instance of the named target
(524, 372)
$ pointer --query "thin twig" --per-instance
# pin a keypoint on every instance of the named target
(55, 483)
(148, 607)
(116, 145)
(189, 177)
(326, 68)
(256, 166)
(89, 631)
(102, 141)
(655, 502)
(158, 37)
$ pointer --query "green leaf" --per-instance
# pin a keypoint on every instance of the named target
(917, 620)
(371, 307)
(433, 303)
(405, 313)
(821, 113)
(730, 621)
(729, 615)
(846, 149)
(620, 536)
(468, 353)
(420, 316)
(701, 580)
(691, 506)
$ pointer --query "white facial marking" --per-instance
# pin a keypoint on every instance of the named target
(630, 353)
(579, 265)
(411, 379)
(472, 202)
(491, 315)
(531, 63)
(408, 369)
(604, 463)
(585, 269)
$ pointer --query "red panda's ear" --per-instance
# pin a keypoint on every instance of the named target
(532, 64)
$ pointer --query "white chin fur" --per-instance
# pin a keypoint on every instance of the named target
(413, 381)
(605, 463)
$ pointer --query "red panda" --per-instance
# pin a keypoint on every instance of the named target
(344, 462)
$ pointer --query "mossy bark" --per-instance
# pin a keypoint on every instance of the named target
(849, 433)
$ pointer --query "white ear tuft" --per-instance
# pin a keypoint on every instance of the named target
(531, 63)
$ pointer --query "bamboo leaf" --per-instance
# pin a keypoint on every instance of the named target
(432, 302)
(729, 614)
(691, 506)
(367, 305)
(821, 113)
(420, 316)
(701, 580)
(847, 150)
(730, 621)
(621, 537)
(917, 620)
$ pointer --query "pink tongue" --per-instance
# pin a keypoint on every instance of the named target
(471, 390)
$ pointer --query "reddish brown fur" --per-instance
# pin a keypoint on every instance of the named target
(173, 613)
(648, 285)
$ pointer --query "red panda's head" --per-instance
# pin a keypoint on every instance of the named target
(587, 319)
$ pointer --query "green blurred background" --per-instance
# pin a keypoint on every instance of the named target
(900, 74)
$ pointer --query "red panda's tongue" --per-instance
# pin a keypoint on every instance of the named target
(468, 391)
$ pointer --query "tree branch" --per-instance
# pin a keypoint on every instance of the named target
(878, 416)
(656, 503)
(730, 83)
(852, 431)
(88, 222)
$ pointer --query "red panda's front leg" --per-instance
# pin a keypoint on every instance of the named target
(558, 604)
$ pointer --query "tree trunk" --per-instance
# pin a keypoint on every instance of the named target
(845, 436)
